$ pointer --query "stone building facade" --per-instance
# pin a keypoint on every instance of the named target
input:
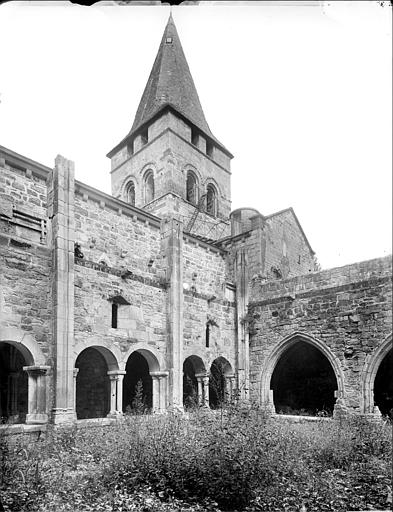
(159, 297)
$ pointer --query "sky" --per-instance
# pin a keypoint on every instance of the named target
(300, 94)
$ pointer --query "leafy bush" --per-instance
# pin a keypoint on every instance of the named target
(233, 459)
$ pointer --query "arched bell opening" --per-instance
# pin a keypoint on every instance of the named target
(137, 385)
(383, 386)
(193, 374)
(303, 381)
(13, 384)
(92, 384)
(219, 393)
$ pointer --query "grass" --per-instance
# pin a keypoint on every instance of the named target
(233, 460)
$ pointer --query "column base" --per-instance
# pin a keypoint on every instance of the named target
(36, 418)
(115, 415)
(63, 416)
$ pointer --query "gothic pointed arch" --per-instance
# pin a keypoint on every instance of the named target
(321, 351)
(371, 366)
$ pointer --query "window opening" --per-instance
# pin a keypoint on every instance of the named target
(207, 335)
(211, 200)
(130, 148)
(191, 188)
(209, 148)
(145, 137)
(130, 193)
(149, 187)
(115, 309)
(194, 137)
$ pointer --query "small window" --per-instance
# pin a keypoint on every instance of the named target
(149, 187)
(130, 193)
(115, 309)
(194, 137)
(209, 149)
(169, 40)
(191, 188)
(211, 200)
(130, 148)
(207, 337)
(145, 136)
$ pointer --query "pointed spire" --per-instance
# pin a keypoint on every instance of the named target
(170, 83)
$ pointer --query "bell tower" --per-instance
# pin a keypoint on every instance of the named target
(170, 163)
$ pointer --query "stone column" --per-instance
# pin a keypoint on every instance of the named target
(199, 377)
(116, 396)
(205, 395)
(119, 394)
(159, 391)
(75, 374)
(172, 248)
(61, 191)
(156, 392)
(37, 407)
(242, 342)
(113, 400)
(229, 385)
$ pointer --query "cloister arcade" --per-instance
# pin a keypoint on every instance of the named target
(204, 388)
(23, 379)
(301, 375)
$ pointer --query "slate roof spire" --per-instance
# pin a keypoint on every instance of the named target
(170, 83)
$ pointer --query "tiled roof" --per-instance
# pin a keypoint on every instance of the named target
(170, 83)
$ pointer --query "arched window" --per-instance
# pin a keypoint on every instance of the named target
(130, 193)
(191, 188)
(149, 187)
(211, 200)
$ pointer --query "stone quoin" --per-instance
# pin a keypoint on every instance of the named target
(158, 298)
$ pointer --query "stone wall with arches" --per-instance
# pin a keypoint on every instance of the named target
(345, 313)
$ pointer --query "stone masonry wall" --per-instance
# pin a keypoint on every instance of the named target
(348, 309)
(286, 247)
(207, 298)
(113, 245)
(25, 258)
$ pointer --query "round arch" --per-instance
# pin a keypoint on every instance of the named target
(25, 343)
(279, 350)
(197, 363)
(112, 356)
(153, 357)
(370, 369)
(219, 390)
(194, 376)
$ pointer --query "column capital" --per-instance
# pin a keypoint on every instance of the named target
(36, 370)
(159, 375)
(116, 373)
(201, 375)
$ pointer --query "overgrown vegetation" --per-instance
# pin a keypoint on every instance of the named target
(231, 460)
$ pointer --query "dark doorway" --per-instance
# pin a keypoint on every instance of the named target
(217, 383)
(383, 386)
(13, 385)
(92, 385)
(137, 387)
(303, 382)
(190, 385)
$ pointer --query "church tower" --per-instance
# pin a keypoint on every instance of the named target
(170, 163)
